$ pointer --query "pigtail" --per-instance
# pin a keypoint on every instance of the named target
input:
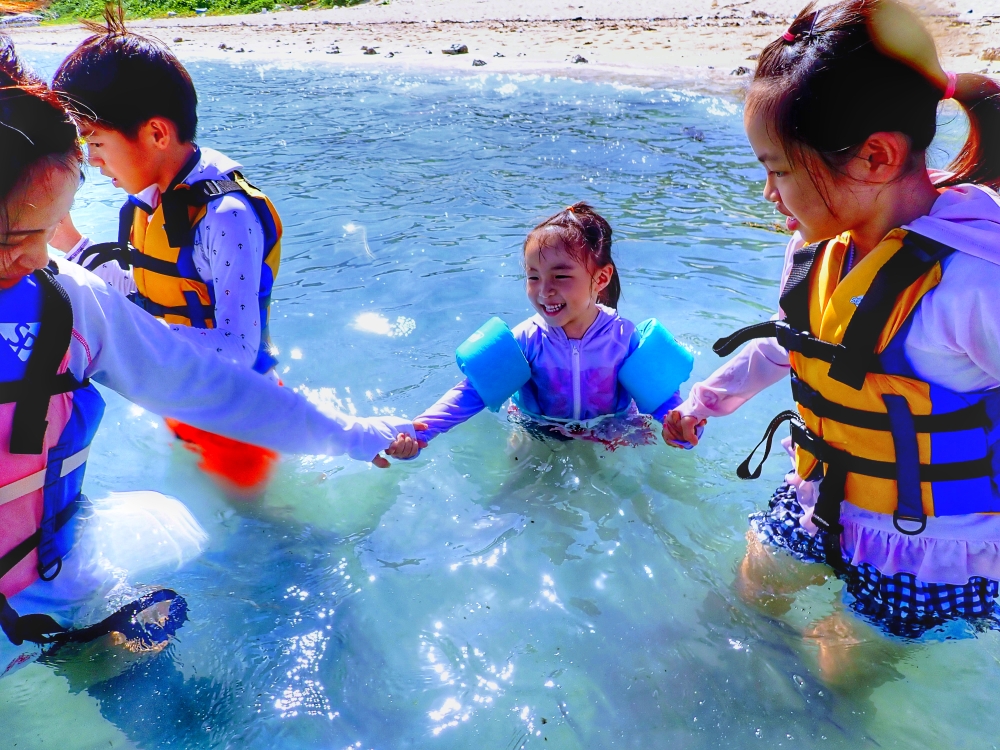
(979, 160)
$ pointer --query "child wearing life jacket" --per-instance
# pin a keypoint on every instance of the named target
(577, 361)
(67, 563)
(888, 326)
(198, 245)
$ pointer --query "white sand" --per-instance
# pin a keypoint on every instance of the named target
(692, 43)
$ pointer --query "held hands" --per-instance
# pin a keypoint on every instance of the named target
(682, 432)
(403, 447)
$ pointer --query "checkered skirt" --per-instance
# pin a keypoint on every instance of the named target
(899, 604)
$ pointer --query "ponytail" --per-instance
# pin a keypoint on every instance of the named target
(979, 159)
(588, 235)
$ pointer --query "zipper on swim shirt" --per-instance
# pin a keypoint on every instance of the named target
(576, 383)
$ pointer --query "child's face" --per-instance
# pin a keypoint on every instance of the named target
(792, 191)
(561, 288)
(33, 212)
(128, 162)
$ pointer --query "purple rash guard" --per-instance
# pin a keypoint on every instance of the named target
(571, 379)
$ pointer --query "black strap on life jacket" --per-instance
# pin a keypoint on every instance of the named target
(970, 417)
(794, 299)
(176, 224)
(177, 220)
(855, 357)
(41, 380)
(915, 258)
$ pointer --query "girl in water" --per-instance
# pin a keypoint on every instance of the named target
(574, 347)
(68, 565)
(888, 325)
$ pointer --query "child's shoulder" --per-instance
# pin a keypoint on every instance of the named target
(212, 165)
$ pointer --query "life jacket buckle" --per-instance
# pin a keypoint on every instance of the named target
(211, 188)
(921, 519)
(57, 565)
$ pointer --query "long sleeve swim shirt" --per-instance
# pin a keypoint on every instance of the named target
(119, 345)
(228, 254)
(571, 379)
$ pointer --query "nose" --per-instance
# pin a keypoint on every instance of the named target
(771, 190)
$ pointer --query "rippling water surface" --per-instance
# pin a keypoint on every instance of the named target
(573, 598)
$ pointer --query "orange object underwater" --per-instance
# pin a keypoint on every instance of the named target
(242, 465)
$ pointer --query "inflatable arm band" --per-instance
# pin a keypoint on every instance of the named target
(656, 369)
(493, 362)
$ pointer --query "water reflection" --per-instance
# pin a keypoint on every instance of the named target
(560, 596)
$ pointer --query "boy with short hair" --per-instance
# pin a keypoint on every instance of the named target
(198, 246)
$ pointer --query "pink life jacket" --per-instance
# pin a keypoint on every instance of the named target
(47, 421)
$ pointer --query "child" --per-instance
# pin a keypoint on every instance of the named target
(62, 570)
(888, 325)
(198, 246)
(572, 352)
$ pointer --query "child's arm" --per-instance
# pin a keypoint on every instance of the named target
(233, 243)
(758, 365)
(124, 348)
(458, 405)
(69, 240)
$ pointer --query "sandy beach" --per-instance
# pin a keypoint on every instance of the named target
(697, 44)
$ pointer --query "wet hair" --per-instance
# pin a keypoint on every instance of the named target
(36, 131)
(825, 88)
(588, 236)
(120, 80)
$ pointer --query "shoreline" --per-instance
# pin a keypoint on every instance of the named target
(706, 49)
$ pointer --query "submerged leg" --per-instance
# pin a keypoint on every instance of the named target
(767, 578)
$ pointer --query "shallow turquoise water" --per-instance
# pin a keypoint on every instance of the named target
(576, 599)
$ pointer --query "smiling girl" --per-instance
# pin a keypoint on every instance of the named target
(576, 343)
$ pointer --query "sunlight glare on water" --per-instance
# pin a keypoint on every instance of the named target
(571, 598)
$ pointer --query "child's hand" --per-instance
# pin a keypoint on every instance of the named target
(66, 235)
(403, 447)
(682, 432)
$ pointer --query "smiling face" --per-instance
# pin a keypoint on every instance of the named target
(794, 192)
(560, 286)
(33, 210)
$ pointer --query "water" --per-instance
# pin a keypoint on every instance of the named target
(578, 599)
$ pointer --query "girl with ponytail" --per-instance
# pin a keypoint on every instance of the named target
(572, 351)
(888, 325)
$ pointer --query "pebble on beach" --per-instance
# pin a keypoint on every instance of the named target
(478, 63)
(579, 59)
(456, 49)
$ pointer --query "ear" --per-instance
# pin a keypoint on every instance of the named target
(883, 158)
(160, 133)
(602, 277)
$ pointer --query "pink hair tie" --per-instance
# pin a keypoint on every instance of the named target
(788, 36)
(949, 90)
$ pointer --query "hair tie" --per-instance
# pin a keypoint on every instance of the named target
(949, 89)
(788, 36)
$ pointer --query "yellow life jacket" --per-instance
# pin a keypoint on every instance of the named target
(159, 249)
(880, 436)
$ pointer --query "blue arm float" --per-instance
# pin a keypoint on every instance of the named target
(493, 362)
(656, 369)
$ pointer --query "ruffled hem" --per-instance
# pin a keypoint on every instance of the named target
(928, 558)
(953, 549)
